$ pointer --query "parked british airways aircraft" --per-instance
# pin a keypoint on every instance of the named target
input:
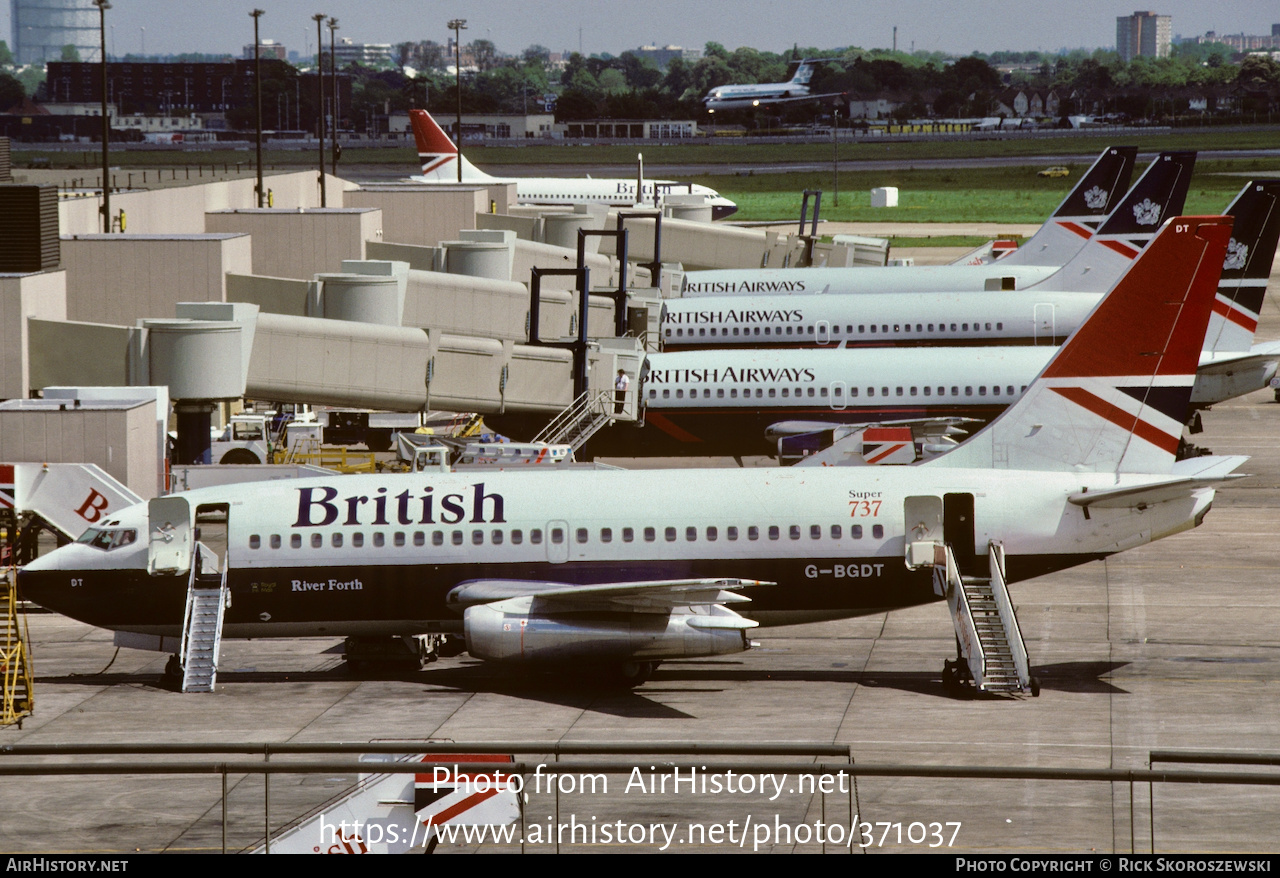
(729, 401)
(766, 94)
(1161, 192)
(1044, 314)
(439, 157)
(554, 566)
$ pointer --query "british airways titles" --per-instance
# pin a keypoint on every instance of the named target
(731, 316)
(744, 287)
(321, 507)
(730, 375)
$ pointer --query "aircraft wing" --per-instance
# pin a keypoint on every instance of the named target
(864, 444)
(654, 596)
(919, 426)
(1188, 476)
(769, 102)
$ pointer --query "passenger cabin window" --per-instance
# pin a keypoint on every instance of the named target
(357, 540)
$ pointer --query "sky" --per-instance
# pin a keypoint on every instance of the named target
(613, 26)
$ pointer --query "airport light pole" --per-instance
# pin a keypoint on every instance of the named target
(333, 72)
(458, 25)
(103, 6)
(835, 155)
(257, 84)
(319, 20)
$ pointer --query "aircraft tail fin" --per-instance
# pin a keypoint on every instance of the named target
(1161, 192)
(1073, 222)
(1247, 267)
(803, 73)
(437, 152)
(1115, 396)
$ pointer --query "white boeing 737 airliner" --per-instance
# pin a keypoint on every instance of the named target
(614, 567)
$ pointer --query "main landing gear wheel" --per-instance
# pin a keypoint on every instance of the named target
(239, 456)
(632, 674)
(173, 671)
(955, 676)
(1035, 687)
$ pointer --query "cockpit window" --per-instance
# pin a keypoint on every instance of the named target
(108, 538)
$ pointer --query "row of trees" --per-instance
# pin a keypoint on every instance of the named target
(630, 86)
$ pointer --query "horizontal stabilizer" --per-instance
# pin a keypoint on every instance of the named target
(1229, 362)
(1215, 472)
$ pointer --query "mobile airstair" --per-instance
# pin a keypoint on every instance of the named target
(202, 627)
(15, 664)
(585, 417)
(991, 655)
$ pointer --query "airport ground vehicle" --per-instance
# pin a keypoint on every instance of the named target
(261, 437)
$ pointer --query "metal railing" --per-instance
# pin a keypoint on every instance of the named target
(31, 760)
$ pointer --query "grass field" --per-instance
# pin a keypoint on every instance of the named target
(1012, 195)
(712, 151)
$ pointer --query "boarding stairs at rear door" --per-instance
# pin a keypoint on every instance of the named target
(992, 655)
(202, 628)
(586, 416)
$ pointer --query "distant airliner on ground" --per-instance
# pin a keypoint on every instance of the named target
(438, 155)
(765, 94)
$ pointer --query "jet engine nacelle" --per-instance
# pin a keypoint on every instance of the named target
(509, 631)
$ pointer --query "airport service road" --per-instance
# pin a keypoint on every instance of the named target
(1172, 646)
